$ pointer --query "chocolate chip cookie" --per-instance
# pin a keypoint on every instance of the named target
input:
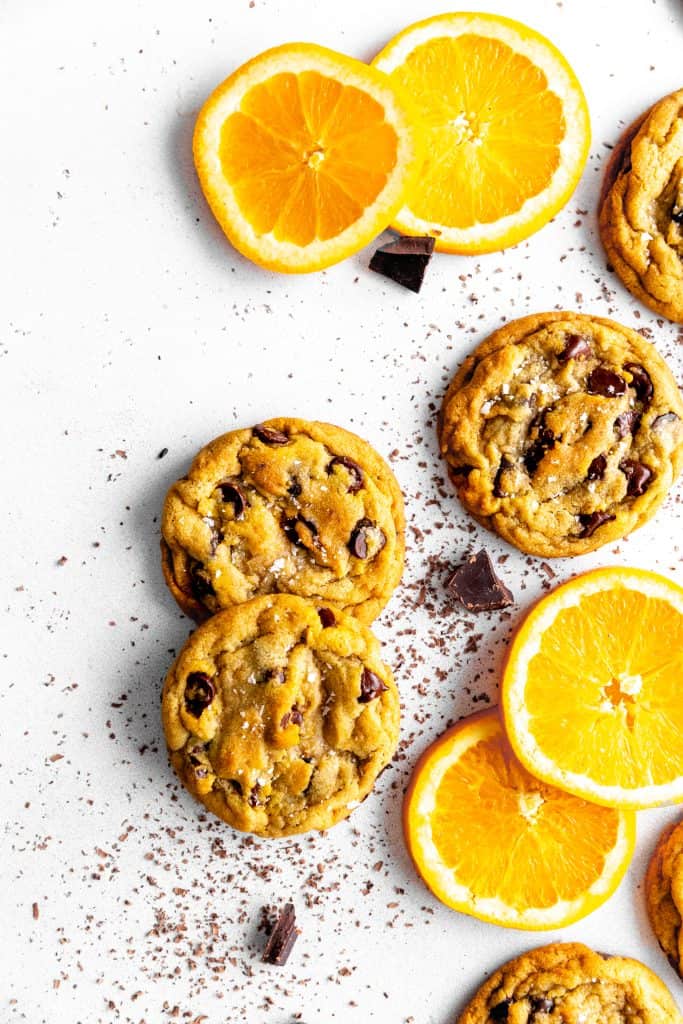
(641, 210)
(568, 982)
(562, 432)
(279, 714)
(664, 894)
(286, 506)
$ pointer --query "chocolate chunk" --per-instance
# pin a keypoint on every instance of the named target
(293, 716)
(476, 586)
(237, 786)
(498, 491)
(217, 538)
(290, 528)
(354, 469)
(370, 686)
(627, 423)
(271, 675)
(602, 381)
(200, 769)
(200, 583)
(326, 617)
(282, 938)
(364, 531)
(543, 442)
(500, 1010)
(575, 348)
(253, 799)
(605, 956)
(459, 473)
(294, 489)
(637, 475)
(597, 468)
(661, 421)
(199, 693)
(273, 438)
(541, 1004)
(405, 260)
(590, 521)
(641, 382)
(232, 494)
(677, 216)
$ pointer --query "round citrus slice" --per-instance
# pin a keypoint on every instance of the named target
(592, 690)
(492, 841)
(304, 156)
(504, 125)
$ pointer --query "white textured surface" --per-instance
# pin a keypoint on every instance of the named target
(130, 325)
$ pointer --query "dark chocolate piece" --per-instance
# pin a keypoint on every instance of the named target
(641, 383)
(327, 617)
(293, 716)
(677, 216)
(500, 1010)
(354, 469)
(591, 521)
(602, 381)
(476, 586)
(638, 477)
(199, 693)
(541, 1004)
(370, 686)
(405, 260)
(232, 494)
(358, 542)
(627, 423)
(291, 531)
(273, 438)
(597, 468)
(200, 584)
(294, 489)
(545, 440)
(575, 348)
(282, 937)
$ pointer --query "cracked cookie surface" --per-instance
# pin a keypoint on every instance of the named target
(664, 894)
(279, 714)
(562, 432)
(641, 210)
(288, 506)
(569, 983)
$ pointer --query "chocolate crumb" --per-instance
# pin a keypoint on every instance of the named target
(162, 453)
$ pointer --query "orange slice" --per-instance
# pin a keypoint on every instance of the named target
(505, 129)
(593, 688)
(304, 156)
(492, 841)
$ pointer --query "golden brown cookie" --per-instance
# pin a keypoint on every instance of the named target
(567, 982)
(562, 432)
(287, 506)
(279, 714)
(641, 209)
(664, 894)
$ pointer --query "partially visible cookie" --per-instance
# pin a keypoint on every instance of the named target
(569, 983)
(288, 506)
(641, 210)
(562, 432)
(664, 894)
(279, 714)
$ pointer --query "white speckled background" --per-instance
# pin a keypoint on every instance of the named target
(129, 325)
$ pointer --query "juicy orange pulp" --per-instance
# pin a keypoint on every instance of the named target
(306, 155)
(508, 133)
(617, 661)
(491, 840)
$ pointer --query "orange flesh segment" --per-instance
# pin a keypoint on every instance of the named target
(496, 108)
(525, 862)
(616, 661)
(306, 155)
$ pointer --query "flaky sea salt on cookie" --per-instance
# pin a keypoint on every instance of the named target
(279, 715)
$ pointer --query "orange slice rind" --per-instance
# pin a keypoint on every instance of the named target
(504, 128)
(593, 688)
(304, 156)
(492, 841)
